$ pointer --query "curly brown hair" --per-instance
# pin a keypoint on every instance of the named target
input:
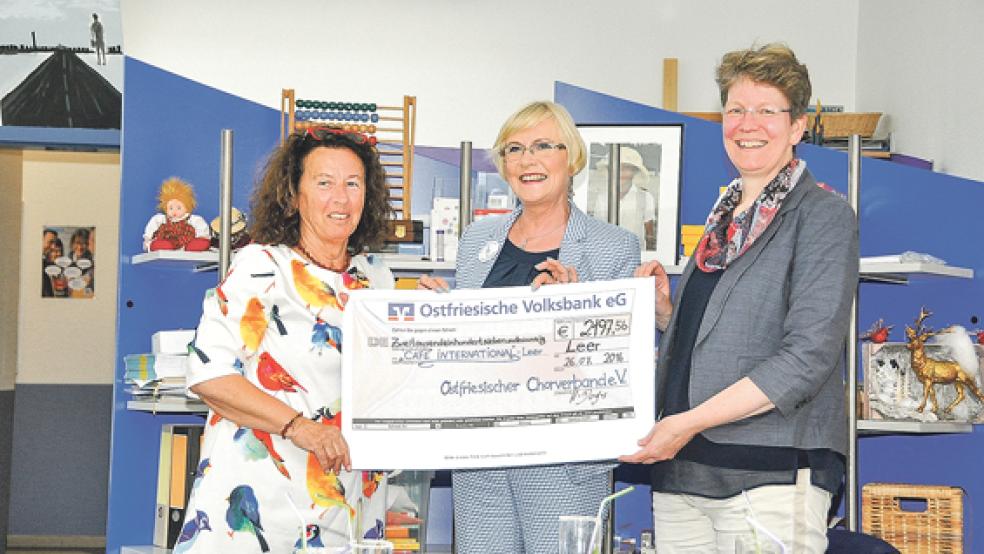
(275, 217)
(774, 65)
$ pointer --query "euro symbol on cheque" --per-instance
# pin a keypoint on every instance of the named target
(563, 330)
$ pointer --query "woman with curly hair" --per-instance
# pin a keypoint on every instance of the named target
(267, 356)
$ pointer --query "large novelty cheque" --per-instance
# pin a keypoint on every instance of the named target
(497, 377)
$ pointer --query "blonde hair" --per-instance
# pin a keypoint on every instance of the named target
(531, 115)
(176, 189)
(774, 65)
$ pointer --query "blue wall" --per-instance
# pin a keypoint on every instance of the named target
(901, 208)
(171, 127)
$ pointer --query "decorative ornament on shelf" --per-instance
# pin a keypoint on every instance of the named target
(176, 228)
(932, 372)
(878, 332)
(901, 378)
(239, 235)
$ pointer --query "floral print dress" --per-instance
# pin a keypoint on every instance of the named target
(276, 320)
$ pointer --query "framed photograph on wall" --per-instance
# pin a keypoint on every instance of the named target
(70, 76)
(649, 182)
(67, 261)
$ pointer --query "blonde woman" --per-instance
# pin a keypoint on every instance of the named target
(546, 239)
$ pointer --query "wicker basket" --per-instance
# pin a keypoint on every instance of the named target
(937, 530)
(840, 124)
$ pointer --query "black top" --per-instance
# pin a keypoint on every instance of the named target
(713, 470)
(514, 266)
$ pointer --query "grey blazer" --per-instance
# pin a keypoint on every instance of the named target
(596, 249)
(779, 315)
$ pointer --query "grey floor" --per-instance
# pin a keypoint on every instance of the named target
(49, 551)
(62, 544)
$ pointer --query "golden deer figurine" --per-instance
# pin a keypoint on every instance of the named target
(932, 372)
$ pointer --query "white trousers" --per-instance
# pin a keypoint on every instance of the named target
(794, 514)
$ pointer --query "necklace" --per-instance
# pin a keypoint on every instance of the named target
(522, 245)
(319, 264)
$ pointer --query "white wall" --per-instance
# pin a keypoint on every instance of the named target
(68, 341)
(472, 63)
(923, 63)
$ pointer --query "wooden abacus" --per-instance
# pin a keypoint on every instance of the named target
(394, 130)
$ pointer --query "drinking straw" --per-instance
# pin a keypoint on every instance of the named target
(601, 510)
(758, 527)
(303, 523)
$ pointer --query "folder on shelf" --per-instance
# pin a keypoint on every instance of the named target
(163, 506)
(179, 457)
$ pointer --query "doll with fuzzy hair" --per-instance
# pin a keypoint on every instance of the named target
(176, 228)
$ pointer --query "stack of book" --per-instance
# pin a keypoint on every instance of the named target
(162, 372)
(403, 530)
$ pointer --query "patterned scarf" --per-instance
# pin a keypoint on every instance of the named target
(727, 237)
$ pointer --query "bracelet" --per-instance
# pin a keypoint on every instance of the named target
(289, 424)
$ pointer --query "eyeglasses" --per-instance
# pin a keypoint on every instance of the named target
(764, 113)
(321, 133)
(540, 149)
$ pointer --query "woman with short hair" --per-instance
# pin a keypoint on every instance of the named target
(750, 390)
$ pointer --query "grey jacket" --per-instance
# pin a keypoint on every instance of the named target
(596, 249)
(779, 315)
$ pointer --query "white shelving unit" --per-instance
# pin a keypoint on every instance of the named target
(168, 406)
(179, 257)
(144, 550)
(209, 259)
(893, 272)
(403, 262)
(885, 427)
(901, 272)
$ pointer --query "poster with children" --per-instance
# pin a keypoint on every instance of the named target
(67, 262)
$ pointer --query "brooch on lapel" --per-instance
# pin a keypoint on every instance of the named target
(488, 251)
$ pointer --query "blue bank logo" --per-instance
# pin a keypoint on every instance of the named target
(400, 311)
